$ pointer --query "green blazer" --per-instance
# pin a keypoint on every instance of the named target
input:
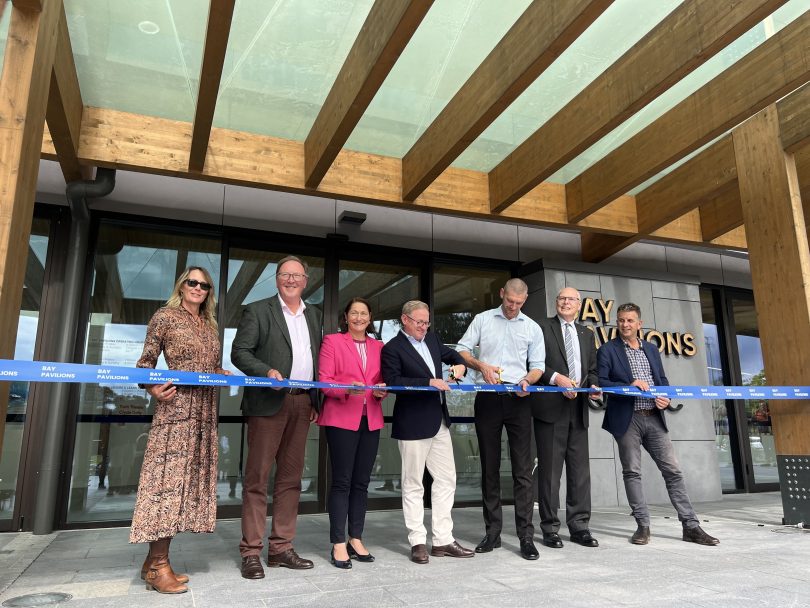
(262, 343)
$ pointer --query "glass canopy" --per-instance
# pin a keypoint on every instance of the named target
(284, 56)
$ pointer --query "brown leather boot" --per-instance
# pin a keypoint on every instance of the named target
(159, 576)
(181, 578)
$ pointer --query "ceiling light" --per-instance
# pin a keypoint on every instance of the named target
(149, 27)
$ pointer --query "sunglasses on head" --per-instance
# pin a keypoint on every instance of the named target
(193, 283)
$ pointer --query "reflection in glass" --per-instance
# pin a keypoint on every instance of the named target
(757, 412)
(134, 272)
(387, 287)
(719, 406)
(460, 293)
(252, 277)
(24, 350)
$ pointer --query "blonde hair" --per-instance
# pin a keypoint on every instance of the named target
(208, 308)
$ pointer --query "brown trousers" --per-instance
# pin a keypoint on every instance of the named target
(282, 439)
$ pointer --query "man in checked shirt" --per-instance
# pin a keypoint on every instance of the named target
(627, 360)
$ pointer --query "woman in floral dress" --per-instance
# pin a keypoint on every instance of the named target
(177, 489)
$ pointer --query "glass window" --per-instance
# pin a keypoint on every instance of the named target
(460, 293)
(757, 412)
(387, 287)
(720, 407)
(252, 277)
(135, 270)
(24, 350)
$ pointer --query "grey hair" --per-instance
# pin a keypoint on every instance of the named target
(412, 305)
(292, 258)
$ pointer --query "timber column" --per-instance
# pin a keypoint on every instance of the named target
(780, 272)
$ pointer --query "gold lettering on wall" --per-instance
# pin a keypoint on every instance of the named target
(598, 311)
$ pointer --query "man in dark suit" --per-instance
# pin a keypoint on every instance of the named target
(639, 421)
(414, 357)
(561, 423)
(278, 338)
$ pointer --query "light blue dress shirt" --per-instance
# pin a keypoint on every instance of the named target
(505, 343)
(423, 351)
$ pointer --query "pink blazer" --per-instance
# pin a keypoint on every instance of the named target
(340, 362)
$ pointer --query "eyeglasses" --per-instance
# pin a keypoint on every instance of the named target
(295, 276)
(194, 283)
(419, 323)
(567, 299)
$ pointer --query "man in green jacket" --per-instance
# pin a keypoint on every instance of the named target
(278, 338)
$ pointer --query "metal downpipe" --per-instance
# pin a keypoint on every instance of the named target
(50, 468)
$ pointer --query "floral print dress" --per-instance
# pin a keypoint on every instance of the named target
(177, 490)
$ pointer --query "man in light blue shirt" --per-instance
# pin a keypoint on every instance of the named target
(511, 351)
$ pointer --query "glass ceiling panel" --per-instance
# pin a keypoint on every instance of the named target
(140, 56)
(702, 75)
(5, 7)
(283, 57)
(451, 42)
(621, 26)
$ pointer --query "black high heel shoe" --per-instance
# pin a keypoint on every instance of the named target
(339, 563)
(353, 554)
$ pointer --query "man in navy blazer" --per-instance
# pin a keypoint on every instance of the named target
(414, 357)
(639, 421)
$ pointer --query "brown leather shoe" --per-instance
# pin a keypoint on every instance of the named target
(160, 578)
(641, 536)
(419, 554)
(289, 559)
(699, 536)
(252, 567)
(452, 550)
(181, 578)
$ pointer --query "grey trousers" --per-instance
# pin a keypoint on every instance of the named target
(649, 432)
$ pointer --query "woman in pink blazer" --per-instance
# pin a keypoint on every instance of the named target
(353, 419)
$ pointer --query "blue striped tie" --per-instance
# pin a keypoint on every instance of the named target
(569, 354)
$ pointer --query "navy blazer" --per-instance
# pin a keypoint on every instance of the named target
(614, 370)
(417, 414)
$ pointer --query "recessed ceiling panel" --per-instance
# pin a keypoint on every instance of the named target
(451, 42)
(283, 57)
(140, 56)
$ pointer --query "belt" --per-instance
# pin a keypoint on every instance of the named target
(645, 412)
(297, 391)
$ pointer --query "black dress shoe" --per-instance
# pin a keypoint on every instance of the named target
(419, 554)
(344, 564)
(488, 543)
(697, 535)
(642, 535)
(252, 567)
(353, 554)
(584, 538)
(527, 549)
(553, 540)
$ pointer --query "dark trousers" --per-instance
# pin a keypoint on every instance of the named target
(564, 441)
(352, 455)
(280, 438)
(493, 412)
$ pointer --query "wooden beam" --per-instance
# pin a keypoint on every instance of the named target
(32, 6)
(65, 107)
(721, 213)
(699, 29)
(685, 188)
(794, 119)
(778, 66)
(599, 247)
(24, 86)
(387, 30)
(220, 15)
(780, 269)
(733, 239)
(544, 30)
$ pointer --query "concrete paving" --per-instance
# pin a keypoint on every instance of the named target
(758, 563)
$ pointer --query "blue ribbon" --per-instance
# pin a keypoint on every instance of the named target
(49, 371)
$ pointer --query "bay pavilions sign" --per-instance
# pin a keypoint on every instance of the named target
(598, 312)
